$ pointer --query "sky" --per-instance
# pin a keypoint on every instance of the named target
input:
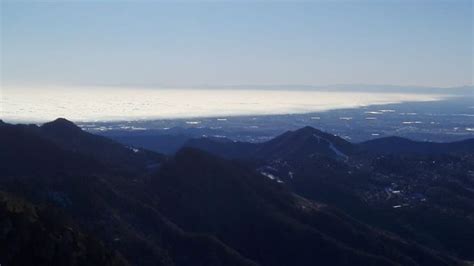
(193, 44)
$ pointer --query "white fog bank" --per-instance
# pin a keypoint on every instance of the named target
(111, 104)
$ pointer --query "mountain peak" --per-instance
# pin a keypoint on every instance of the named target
(305, 142)
(61, 124)
(61, 120)
(308, 130)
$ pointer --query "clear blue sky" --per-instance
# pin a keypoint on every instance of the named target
(428, 43)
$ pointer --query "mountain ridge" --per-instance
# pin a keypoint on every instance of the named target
(332, 146)
(196, 208)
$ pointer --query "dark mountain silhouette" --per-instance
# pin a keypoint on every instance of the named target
(268, 224)
(114, 207)
(67, 135)
(25, 152)
(298, 144)
(303, 143)
(61, 128)
(403, 186)
(198, 209)
(309, 141)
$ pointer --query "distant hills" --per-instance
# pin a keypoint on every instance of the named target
(401, 185)
(309, 141)
(303, 198)
(304, 142)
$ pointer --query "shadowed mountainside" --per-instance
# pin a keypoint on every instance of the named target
(195, 208)
(420, 190)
